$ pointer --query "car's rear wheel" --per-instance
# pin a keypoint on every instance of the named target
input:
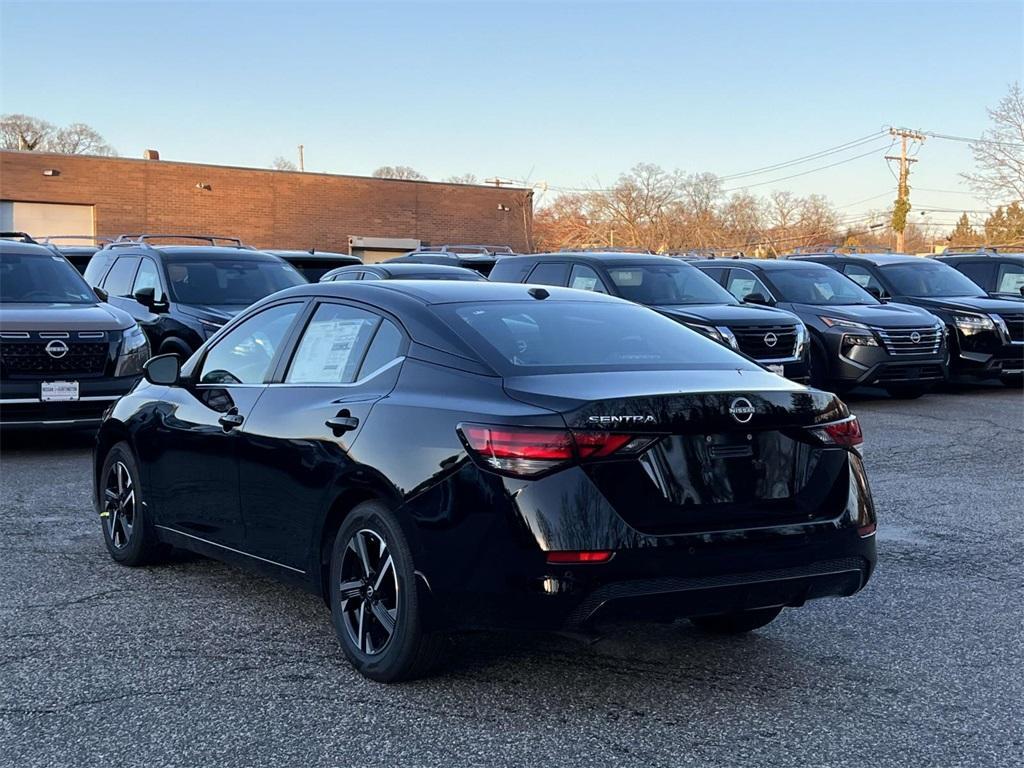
(127, 528)
(737, 623)
(377, 608)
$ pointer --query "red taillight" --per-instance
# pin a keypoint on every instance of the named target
(525, 452)
(568, 557)
(867, 530)
(845, 433)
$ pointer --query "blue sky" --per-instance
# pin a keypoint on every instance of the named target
(571, 94)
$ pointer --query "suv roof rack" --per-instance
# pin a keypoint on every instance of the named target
(23, 237)
(609, 249)
(48, 240)
(464, 249)
(981, 250)
(143, 239)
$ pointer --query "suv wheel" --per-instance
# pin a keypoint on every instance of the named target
(737, 623)
(127, 528)
(376, 606)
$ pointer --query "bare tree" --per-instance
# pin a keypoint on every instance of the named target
(466, 178)
(283, 164)
(999, 155)
(24, 132)
(79, 139)
(398, 172)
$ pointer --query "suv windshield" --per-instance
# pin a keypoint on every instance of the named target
(559, 336)
(41, 279)
(818, 285)
(666, 284)
(929, 278)
(226, 281)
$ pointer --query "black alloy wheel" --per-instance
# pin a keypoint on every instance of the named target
(127, 530)
(368, 590)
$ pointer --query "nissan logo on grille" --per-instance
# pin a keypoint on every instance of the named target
(915, 337)
(770, 339)
(742, 410)
(56, 349)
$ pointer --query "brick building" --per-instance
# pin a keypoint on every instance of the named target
(47, 194)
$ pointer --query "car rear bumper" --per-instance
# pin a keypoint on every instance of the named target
(21, 406)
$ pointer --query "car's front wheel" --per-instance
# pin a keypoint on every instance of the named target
(377, 608)
(737, 623)
(127, 528)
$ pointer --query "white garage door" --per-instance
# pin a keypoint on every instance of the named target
(42, 219)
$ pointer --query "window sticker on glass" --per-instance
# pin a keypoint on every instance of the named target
(326, 350)
(582, 283)
(859, 278)
(825, 290)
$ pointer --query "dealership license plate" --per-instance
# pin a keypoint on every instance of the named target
(779, 369)
(54, 391)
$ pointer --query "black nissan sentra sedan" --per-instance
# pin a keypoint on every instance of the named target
(432, 456)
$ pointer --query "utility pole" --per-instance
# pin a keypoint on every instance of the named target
(902, 206)
(495, 181)
(302, 157)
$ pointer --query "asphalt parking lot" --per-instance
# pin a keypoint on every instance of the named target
(198, 663)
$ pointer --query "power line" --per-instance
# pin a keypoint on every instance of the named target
(806, 158)
(874, 151)
(969, 140)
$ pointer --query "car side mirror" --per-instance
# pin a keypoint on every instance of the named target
(757, 298)
(102, 295)
(163, 369)
(1022, 290)
(876, 292)
(147, 298)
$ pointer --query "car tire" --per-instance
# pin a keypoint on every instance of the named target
(378, 606)
(736, 623)
(906, 393)
(177, 347)
(127, 524)
(1013, 380)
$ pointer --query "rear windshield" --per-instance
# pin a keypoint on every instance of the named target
(228, 282)
(520, 337)
(929, 278)
(667, 284)
(43, 279)
(818, 285)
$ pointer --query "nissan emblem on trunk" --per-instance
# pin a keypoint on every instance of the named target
(742, 410)
(56, 349)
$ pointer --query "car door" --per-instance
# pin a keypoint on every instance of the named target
(295, 447)
(193, 447)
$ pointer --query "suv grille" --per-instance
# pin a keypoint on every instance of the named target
(755, 340)
(1015, 325)
(30, 357)
(911, 341)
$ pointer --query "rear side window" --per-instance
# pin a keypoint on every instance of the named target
(119, 279)
(1011, 278)
(385, 347)
(521, 337)
(511, 271)
(333, 345)
(347, 276)
(550, 273)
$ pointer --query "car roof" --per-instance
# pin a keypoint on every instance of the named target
(20, 247)
(980, 255)
(873, 258)
(175, 252)
(313, 255)
(765, 264)
(606, 258)
(409, 269)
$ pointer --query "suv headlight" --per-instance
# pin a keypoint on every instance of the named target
(728, 336)
(801, 338)
(134, 352)
(710, 331)
(838, 322)
(969, 323)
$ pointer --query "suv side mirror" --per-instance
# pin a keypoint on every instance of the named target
(102, 295)
(163, 369)
(875, 291)
(757, 298)
(147, 298)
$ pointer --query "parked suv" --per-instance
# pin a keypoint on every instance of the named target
(773, 338)
(401, 272)
(1000, 274)
(479, 257)
(986, 335)
(182, 294)
(77, 253)
(856, 340)
(65, 355)
(314, 264)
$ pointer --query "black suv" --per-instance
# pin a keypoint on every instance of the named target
(856, 340)
(182, 294)
(401, 272)
(479, 257)
(986, 335)
(314, 264)
(65, 356)
(77, 253)
(1000, 274)
(773, 338)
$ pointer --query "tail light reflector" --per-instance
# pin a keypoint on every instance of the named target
(846, 433)
(524, 452)
(569, 557)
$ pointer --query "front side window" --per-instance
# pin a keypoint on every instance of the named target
(862, 277)
(583, 278)
(550, 273)
(818, 285)
(119, 278)
(148, 277)
(979, 271)
(928, 278)
(245, 353)
(1011, 278)
(232, 282)
(41, 278)
(549, 336)
(333, 345)
(743, 283)
(667, 284)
